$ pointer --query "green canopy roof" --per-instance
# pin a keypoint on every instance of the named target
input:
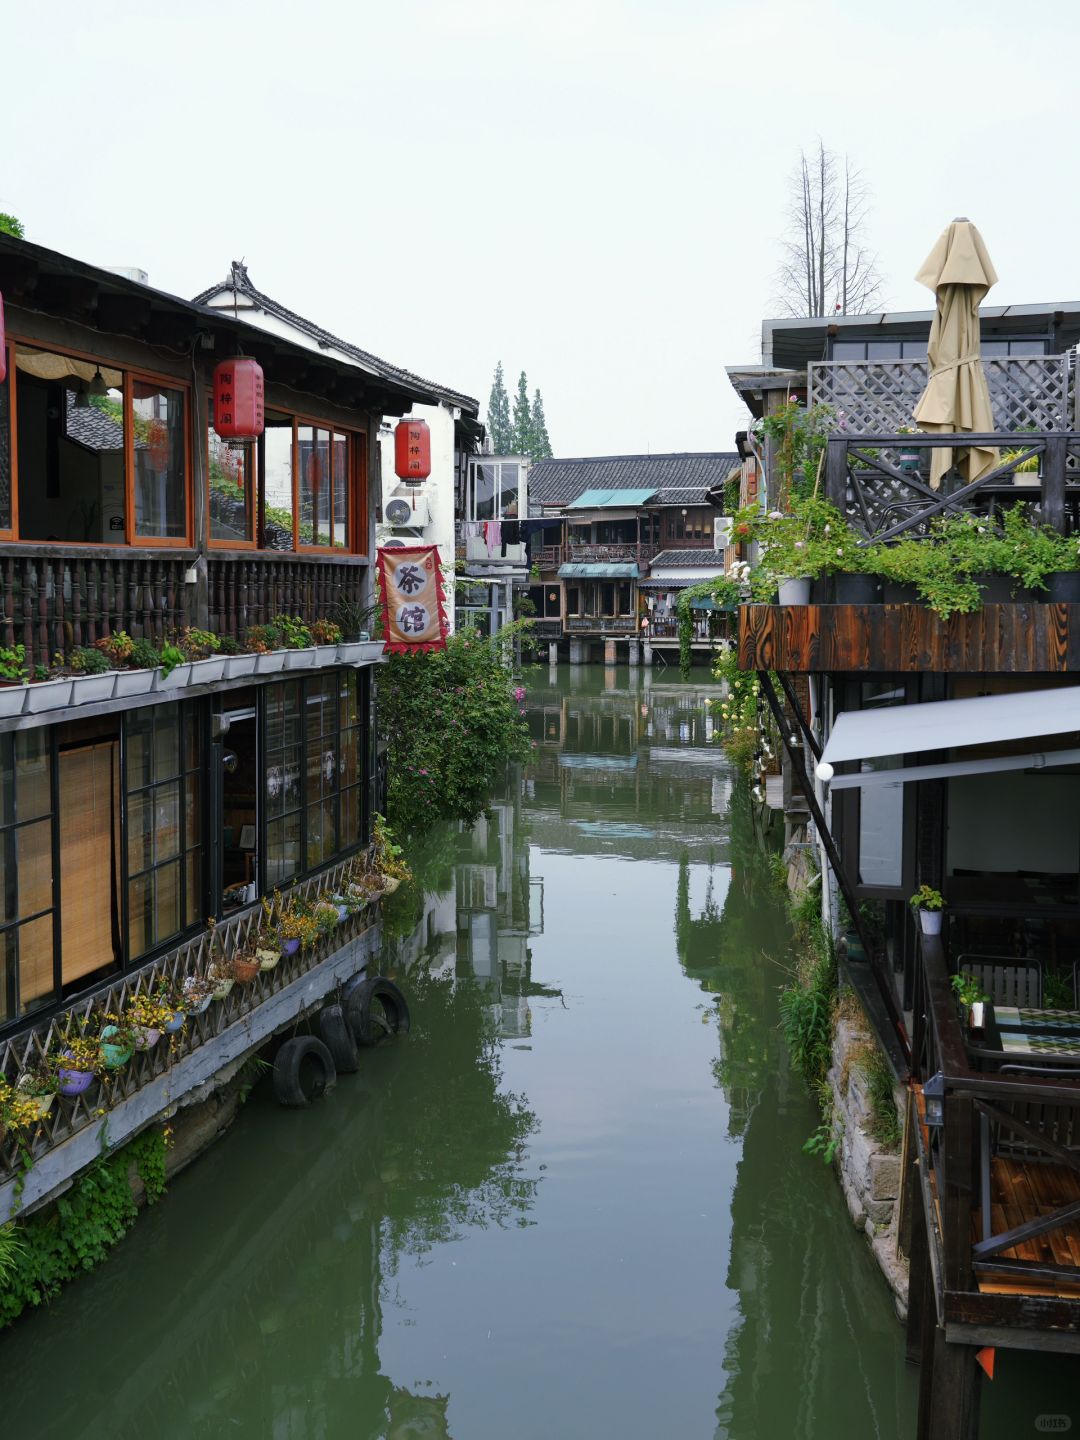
(611, 570)
(611, 499)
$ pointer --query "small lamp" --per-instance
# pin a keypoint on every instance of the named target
(98, 388)
(934, 1098)
(82, 397)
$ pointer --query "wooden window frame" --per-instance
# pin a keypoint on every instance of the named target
(256, 509)
(130, 374)
(327, 551)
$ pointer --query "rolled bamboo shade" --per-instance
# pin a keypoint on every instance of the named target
(89, 857)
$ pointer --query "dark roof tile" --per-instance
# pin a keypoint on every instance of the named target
(686, 477)
(700, 559)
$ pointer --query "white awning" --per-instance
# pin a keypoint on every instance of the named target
(949, 724)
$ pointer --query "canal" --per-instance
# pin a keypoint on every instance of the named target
(572, 1204)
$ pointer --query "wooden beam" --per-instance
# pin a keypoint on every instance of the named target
(124, 314)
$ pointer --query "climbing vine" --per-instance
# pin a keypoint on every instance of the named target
(76, 1234)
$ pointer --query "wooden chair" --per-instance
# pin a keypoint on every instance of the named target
(1006, 979)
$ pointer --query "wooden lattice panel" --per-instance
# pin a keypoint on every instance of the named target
(876, 397)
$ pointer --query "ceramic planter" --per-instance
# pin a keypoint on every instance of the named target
(350, 652)
(176, 679)
(74, 1082)
(48, 695)
(370, 652)
(134, 682)
(857, 589)
(290, 947)
(930, 921)
(300, 659)
(206, 672)
(268, 958)
(1063, 587)
(115, 1055)
(222, 988)
(198, 1007)
(390, 884)
(85, 689)
(146, 1037)
(12, 699)
(326, 655)
(176, 1024)
(795, 592)
(1027, 477)
(270, 663)
(237, 666)
(246, 970)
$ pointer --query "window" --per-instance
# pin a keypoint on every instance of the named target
(232, 472)
(314, 772)
(496, 490)
(323, 458)
(91, 455)
(164, 855)
(27, 899)
(276, 462)
(305, 480)
(160, 465)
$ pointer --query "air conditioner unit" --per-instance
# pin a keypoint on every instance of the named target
(405, 512)
(393, 545)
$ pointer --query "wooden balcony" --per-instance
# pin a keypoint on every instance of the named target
(1020, 639)
(600, 624)
(552, 556)
(53, 602)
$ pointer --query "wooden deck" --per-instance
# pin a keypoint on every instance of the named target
(1021, 1191)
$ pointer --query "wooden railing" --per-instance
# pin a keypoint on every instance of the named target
(883, 500)
(53, 602)
(601, 624)
(32, 1048)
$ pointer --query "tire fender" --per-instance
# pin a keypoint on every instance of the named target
(369, 1003)
(338, 1039)
(303, 1071)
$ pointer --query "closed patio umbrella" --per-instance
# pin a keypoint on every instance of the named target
(956, 398)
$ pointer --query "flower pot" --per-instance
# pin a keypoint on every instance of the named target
(117, 1055)
(302, 659)
(896, 592)
(342, 913)
(198, 1007)
(133, 682)
(349, 652)
(246, 970)
(371, 651)
(326, 654)
(857, 589)
(176, 1024)
(995, 589)
(268, 958)
(48, 695)
(12, 699)
(1026, 477)
(206, 672)
(222, 988)
(178, 676)
(238, 666)
(86, 689)
(290, 947)
(390, 884)
(977, 1017)
(909, 461)
(146, 1037)
(795, 592)
(1063, 587)
(74, 1082)
(930, 921)
(270, 663)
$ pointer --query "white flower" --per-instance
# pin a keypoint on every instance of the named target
(827, 528)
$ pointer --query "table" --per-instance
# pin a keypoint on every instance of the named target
(1022, 1035)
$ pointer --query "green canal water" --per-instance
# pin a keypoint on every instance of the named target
(573, 1203)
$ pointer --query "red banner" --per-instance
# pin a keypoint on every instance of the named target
(411, 592)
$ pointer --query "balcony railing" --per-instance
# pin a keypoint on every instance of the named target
(552, 556)
(883, 501)
(601, 624)
(52, 603)
(878, 396)
(31, 1048)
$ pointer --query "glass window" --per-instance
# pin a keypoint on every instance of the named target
(849, 350)
(881, 828)
(276, 452)
(283, 782)
(316, 484)
(342, 485)
(27, 899)
(160, 461)
(883, 349)
(71, 448)
(232, 476)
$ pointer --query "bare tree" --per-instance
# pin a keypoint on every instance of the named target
(827, 267)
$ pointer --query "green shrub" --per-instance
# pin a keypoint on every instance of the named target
(143, 655)
(84, 661)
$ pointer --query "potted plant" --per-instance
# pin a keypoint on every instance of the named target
(95, 679)
(246, 962)
(118, 1040)
(149, 1015)
(386, 858)
(136, 661)
(175, 668)
(18, 1111)
(78, 1061)
(929, 903)
(327, 637)
(355, 621)
(910, 456)
(971, 999)
(1025, 472)
(299, 651)
(238, 663)
(267, 643)
(13, 678)
(268, 955)
(291, 920)
(39, 1083)
(221, 975)
(202, 648)
(196, 994)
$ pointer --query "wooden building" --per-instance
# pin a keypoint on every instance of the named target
(944, 753)
(139, 805)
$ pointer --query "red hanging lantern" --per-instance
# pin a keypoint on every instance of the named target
(238, 399)
(3, 344)
(412, 450)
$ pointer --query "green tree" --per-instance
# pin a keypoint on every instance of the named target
(541, 444)
(11, 225)
(498, 414)
(521, 441)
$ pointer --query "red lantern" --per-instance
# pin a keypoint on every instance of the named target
(3, 344)
(412, 450)
(238, 399)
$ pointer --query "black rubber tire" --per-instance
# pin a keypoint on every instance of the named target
(376, 1009)
(338, 1039)
(303, 1071)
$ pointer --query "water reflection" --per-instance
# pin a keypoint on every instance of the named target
(573, 1203)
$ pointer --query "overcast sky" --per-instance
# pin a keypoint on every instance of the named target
(592, 190)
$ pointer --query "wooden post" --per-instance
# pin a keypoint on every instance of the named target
(1053, 499)
(949, 1390)
(836, 472)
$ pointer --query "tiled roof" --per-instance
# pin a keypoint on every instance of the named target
(558, 482)
(239, 283)
(699, 559)
(91, 428)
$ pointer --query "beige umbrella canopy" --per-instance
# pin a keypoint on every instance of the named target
(959, 272)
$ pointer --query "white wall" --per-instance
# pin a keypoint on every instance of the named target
(438, 489)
